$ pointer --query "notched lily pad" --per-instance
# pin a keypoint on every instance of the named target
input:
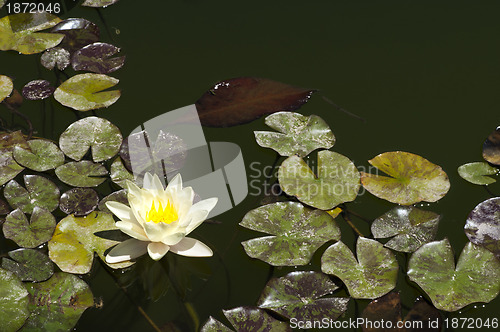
(337, 180)
(119, 174)
(85, 92)
(79, 201)
(476, 277)
(246, 319)
(77, 32)
(56, 56)
(117, 196)
(38, 90)
(372, 275)
(301, 295)
(39, 192)
(41, 156)
(476, 173)
(297, 134)
(29, 265)
(96, 58)
(14, 305)
(483, 225)
(82, 173)
(412, 179)
(29, 234)
(6, 87)
(411, 228)
(296, 233)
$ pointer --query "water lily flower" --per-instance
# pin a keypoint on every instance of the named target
(158, 220)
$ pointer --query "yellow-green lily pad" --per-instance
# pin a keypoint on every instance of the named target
(6, 87)
(476, 173)
(82, 173)
(119, 174)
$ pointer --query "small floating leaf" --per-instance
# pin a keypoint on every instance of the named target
(98, 3)
(39, 192)
(84, 92)
(96, 58)
(73, 244)
(6, 87)
(29, 234)
(38, 90)
(252, 319)
(476, 277)
(337, 180)
(412, 179)
(213, 325)
(118, 196)
(297, 134)
(14, 305)
(9, 168)
(244, 99)
(82, 173)
(372, 275)
(411, 228)
(78, 32)
(79, 201)
(41, 156)
(29, 265)
(491, 147)
(9, 140)
(483, 225)
(300, 295)
(475, 173)
(56, 56)
(297, 232)
(119, 174)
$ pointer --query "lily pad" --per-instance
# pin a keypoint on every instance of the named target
(411, 228)
(297, 134)
(119, 174)
(337, 180)
(9, 140)
(56, 56)
(372, 275)
(103, 137)
(483, 225)
(296, 233)
(39, 192)
(412, 179)
(9, 168)
(84, 92)
(58, 303)
(98, 3)
(247, 319)
(301, 294)
(79, 201)
(6, 87)
(476, 277)
(4, 208)
(29, 234)
(41, 156)
(82, 173)
(476, 173)
(29, 265)
(117, 196)
(96, 58)
(78, 32)
(14, 305)
(213, 325)
(18, 32)
(491, 147)
(73, 244)
(38, 90)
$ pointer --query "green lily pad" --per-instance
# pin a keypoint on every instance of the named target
(476, 277)
(296, 233)
(411, 228)
(491, 147)
(79, 201)
(103, 137)
(39, 192)
(483, 225)
(6, 87)
(73, 244)
(14, 305)
(301, 294)
(18, 32)
(42, 155)
(58, 303)
(119, 174)
(247, 319)
(29, 234)
(476, 173)
(29, 265)
(413, 179)
(337, 180)
(9, 168)
(297, 134)
(82, 173)
(372, 275)
(118, 196)
(98, 3)
(84, 92)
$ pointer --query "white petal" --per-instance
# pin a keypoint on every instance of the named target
(206, 204)
(147, 181)
(191, 247)
(132, 229)
(175, 184)
(157, 231)
(156, 184)
(157, 250)
(196, 218)
(127, 250)
(120, 210)
(173, 239)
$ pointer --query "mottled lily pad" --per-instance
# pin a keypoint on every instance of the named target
(6, 87)
(58, 303)
(246, 319)
(56, 56)
(117, 196)
(9, 140)
(98, 3)
(98, 134)
(476, 173)
(296, 233)
(96, 58)
(412, 179)
(29, 234)
(9, 168)
(39, 192)
(38, 90)
(82, 173)
(4, 208)
(119, 174)
(301, 295)
(29, 265)
(84, 92)
(372, 275)
(337, 180)
(41, 156)
(297, 134)
(476, 277)
(14, 305)
(73, 244)
(79, 201)
(483, 225)
(77, 32)
(411, 228)
(491, 147)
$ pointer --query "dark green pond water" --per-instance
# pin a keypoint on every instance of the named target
(424, 75)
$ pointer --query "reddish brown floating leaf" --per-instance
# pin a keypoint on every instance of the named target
(37, 90)
(96, 58)
(241, 100)
(491, 147)
(78, 33)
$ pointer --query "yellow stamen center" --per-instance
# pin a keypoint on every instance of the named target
(167, 215)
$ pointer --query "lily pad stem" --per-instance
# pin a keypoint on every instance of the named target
(346, 217)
